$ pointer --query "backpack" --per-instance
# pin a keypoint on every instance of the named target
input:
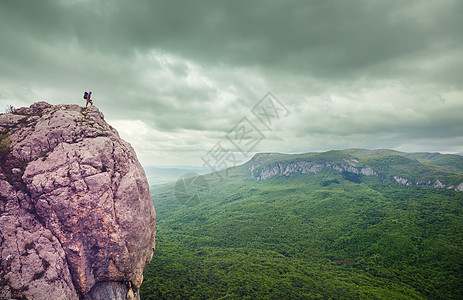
(85, 95)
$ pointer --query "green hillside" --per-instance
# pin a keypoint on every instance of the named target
(324, 235)
(451, 161)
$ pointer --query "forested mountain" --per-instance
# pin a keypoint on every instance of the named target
(351, 224)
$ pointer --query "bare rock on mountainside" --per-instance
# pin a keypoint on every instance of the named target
(76, 216)
(304, 167)
(386, 166)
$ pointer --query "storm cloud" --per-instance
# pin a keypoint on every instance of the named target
(175, 76)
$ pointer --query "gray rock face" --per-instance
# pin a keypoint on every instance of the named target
(438, 184)
(305, 167)
(402, 180)
(262, 168)
(428, 183)
(76, 216)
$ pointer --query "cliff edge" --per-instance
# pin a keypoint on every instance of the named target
(76, 217)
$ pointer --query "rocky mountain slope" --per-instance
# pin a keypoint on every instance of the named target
(420, 169)
(76, 217)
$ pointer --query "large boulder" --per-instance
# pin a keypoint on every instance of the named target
(76, 216)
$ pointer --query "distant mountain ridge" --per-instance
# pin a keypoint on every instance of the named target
(421, 169)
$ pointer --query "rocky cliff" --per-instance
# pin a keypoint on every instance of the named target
(260, 171)
(266, 165)
(76, 216)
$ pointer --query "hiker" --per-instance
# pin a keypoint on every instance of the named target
(87, 97)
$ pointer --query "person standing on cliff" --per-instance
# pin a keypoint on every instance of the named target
(87, 97)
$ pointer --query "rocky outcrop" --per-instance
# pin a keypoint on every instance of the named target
(305, 167)
(437, 184)
(76, 216)
(266, 165)
(402, 180)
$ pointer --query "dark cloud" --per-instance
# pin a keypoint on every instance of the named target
(320, 37)
(384, 71)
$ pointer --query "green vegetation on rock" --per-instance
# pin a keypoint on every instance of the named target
(5, 143)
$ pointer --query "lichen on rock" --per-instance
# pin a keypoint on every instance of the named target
(75, 208)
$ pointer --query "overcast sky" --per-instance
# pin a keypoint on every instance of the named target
(176, 78)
